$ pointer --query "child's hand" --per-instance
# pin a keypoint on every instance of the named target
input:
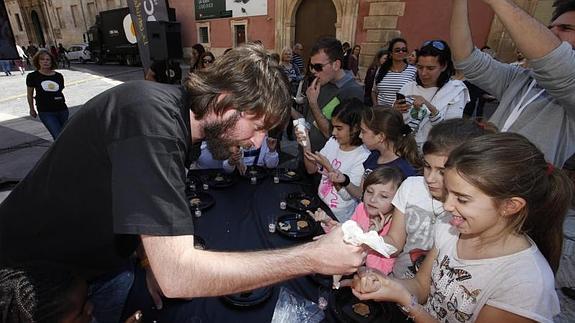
(336, 177)
(302, 138)
(319, 215)
(370, 283)
(234, 159)
(320, 159)
(327, 223)
(272, 144)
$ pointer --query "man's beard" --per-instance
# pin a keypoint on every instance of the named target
(218, 137)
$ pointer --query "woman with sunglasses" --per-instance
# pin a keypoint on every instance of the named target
(392, 74)
(433, 96)
(206, 60)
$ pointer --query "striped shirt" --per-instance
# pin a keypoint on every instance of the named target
(297, 61)
(392, 83)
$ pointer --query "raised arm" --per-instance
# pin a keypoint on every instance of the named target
(182, 271)
(532, 38)
(461, 41)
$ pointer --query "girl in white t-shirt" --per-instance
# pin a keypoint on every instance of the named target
(343, 152)
(418, 202)
(495, 261)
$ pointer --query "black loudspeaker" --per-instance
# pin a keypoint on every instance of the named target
(164, 40)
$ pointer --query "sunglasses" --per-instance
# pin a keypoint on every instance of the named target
(435, 43)
(207, 61)
(317, 67)
(400, 50)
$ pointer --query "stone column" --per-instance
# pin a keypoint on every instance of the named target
(381, 26)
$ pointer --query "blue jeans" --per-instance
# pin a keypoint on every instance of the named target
(54, 121)
(108, 294)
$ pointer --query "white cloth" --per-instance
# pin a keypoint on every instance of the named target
(354, 235)
(415, 202)
(341, 203)
(521, 283)
(450, 101)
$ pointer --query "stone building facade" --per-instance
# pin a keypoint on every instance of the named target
(280, 23)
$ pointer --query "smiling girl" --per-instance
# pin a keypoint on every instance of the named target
(494, 262)
(343, 152)
(419, 201)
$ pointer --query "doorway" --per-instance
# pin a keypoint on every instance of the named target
(309, 28)
(38, 28)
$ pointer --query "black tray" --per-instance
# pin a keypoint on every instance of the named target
(342, 303)
(249, 298)
(294, 201)
(221, 180)
(206, 200)
(288, 175)
(292, 230)
(255, 171)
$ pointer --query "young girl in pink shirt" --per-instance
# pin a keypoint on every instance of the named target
(374, 213)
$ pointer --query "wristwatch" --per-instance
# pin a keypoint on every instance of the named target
(408, 310)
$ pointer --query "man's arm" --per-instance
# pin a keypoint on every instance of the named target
(461, 41)
(183, 271)
(532, 38)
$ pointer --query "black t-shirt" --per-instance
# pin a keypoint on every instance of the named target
(117, 171)
(49, 96)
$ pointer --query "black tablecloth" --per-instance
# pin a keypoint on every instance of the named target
(238, 221)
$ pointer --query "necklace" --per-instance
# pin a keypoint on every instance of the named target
(435, 215)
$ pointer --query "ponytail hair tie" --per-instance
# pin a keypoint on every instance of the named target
(550, 169)
(406, 130)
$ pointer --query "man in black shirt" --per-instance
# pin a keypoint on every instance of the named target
(115, 178)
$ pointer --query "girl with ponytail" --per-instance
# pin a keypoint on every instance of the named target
(494, 260)
(391, 143)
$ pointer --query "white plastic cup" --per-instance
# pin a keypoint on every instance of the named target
(253, 180)
(198, 213)
(276, 179)
(272, 227)
(283, 205)
(206, 187)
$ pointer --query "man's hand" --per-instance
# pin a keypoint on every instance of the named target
(332, 256)
(312, 92)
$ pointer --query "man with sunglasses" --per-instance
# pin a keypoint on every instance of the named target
(539, 102)
(331, 85)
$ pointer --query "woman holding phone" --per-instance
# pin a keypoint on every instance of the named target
(433, 96)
